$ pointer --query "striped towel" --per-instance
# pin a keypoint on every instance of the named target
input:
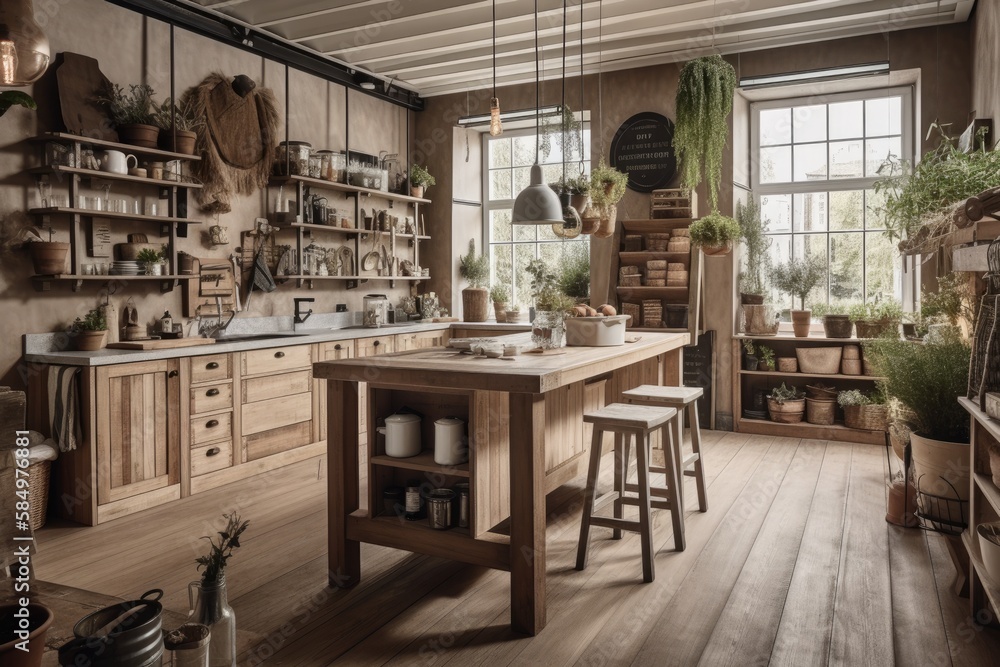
(64, 406)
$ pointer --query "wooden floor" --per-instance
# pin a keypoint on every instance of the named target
(793, 564)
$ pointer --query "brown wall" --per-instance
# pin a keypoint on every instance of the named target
(133, 49)
(985, 56)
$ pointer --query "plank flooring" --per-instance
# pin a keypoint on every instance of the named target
(793, 564)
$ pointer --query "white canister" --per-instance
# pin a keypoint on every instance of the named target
(450, 447)
(402, 435)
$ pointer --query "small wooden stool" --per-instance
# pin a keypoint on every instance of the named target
(631, 423)
(680, 398)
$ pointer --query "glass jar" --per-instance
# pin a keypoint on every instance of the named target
(315, 162)
(326, 171)
(209, 606)
(376, 310)
(547, 329)
(292, 158)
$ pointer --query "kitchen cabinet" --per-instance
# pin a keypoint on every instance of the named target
(984, 506)
(370, 347)
(421, 340)
(276, 407)
(333, 351)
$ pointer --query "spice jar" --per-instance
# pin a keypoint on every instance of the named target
(414, 501)
(292, 158)
(393, 499)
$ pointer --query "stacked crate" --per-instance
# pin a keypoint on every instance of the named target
(673, 203)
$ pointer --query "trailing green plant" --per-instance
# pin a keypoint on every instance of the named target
(766, 355)
(545, 289)
(953, 301)
(132, 108)
(94, 320)
(168, 115)
(148, 256)
(704, 101)
(798, 277)
(781, 394)
(944, 176)
(9, 98)
(567, 128)
(927, 378)
(474, 268)
(218, 557)
(579, 185)
(500, 293)
(607, 185)
(574, 271)
(714, 229)
(420, 177)
(756, 245)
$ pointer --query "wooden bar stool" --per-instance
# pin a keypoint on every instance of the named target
(681, 398)
(630, 423)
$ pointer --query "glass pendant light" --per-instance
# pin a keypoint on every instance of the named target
(496, 127)
(24, 49)
(537, 204)
(571, 225)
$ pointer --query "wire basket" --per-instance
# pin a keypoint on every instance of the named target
(942, 514)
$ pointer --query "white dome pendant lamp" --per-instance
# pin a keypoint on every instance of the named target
(537, 204)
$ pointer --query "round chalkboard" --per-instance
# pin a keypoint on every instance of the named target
(643, 148)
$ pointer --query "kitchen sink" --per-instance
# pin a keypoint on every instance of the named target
(236, 338)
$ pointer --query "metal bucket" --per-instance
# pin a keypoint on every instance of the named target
(133, 641)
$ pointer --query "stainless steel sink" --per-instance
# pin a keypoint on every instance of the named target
(236, 338)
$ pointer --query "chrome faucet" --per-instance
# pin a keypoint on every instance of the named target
(301, 317)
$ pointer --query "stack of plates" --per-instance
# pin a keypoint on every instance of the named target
(755, 414)
(122, 268)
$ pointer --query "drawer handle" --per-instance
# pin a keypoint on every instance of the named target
(211, 423)
(279, 355)
(172, 374)
(212, 392)
(377, 343)
(213, 451)
(211, 366)
(338, 347)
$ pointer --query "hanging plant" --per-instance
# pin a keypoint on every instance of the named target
(569, 131)
(607, 185)
(704, 101)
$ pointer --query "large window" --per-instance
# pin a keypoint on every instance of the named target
(506, 171)
(817, 162)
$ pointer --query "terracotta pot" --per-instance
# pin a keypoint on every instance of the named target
(417, 191)
(184, 144)
(49, 257)
(579, 202)
(589, 225)
(801, 320)
(852, 352)
(87, 341)
(941, 468)
(837, 326)
(144, 136)
(475, 304)
(751, 299)
(789, 412)
(606, 229)
(850, 367)
(40, 618)
(499, 310)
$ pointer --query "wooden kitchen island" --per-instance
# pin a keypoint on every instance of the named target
(526, 437)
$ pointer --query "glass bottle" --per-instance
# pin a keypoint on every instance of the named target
(414, 501)
(210, 607)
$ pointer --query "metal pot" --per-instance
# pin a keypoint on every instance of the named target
(402, 435)
(135, 638)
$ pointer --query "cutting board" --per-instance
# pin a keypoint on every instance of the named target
(159, 344)
(80, 80)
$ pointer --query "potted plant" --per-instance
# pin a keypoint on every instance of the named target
(574, 273)
(786, 405)
(150, 260)
(836, 320)
(715, 233)
(863, 411)
(181, 120)
(765, 356)
(132, 113)
(500, 295)
(704, 101)
(797, 278)
(476, 271)
(211, 606)
(551, 304)
(48, 257)
(567, 129)
(750, 358)
(755, 248)
(607, 187)
(9, 98)
(92, 331)
(420, 180)
(876, 319)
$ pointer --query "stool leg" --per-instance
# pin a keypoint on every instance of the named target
(623, 446)
(679, 452)
(699, 468)
(589, 496)
(642, 453)
(674, 484)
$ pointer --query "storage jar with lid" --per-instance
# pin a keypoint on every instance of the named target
(450, 448)
(292, 158)
(376, 310)
(402, 435)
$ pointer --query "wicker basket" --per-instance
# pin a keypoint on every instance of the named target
(820, 412)
(38, 492)
(867, 417)
(789, 412)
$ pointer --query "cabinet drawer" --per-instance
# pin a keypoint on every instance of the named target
(276, 412)
(210, 368)
(210, 398)
(334, 351)
(267, 443)
(211, 457)
(211, 428)
(275, 386)
(369, 347)
(258, 362)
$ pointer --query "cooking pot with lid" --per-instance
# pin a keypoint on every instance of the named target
(123, 635)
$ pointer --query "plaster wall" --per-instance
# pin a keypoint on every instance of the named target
(985, 56)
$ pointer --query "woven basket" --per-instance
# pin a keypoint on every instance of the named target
(820, 412)
(867, 417)
(38, 492)
(789, 412)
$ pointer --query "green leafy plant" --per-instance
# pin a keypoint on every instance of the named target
(783, 393)
(714, 230)
(148, 256)
(748, 347)
(567, 128)
(500, 293)
(756, 245)
(854, 397)
(954, 300)
(94, 320)
(798, 277)
(474, 268)
(420, 177)
(579, 185)
(218, 557)
(927, 379)
(704, 101)
(765, 355)
(879, 309)
(168, 115)
(132, 108)
(9, 98)
(607, 185)
(821, 309)
(574, 271)
(545, 288)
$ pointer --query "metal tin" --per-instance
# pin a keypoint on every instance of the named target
(462, 489)
(136, 641)
(439, 508)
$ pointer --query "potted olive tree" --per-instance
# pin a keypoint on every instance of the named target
(715, 233)
(91, 331)
(476, 271)
(132, 114)
(420, 180)
(797, 278)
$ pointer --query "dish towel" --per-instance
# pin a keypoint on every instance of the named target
(64, 406)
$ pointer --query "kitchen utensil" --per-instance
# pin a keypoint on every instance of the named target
(117, 162)
(439, 503)
(402, 435)
(450, 447)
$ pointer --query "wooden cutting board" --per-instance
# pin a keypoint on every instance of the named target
(159, 344)
(80, 80)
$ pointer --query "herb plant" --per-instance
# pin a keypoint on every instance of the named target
(765, 355)
(714, 229)
(500, 293)
(567, 129)
(798, 277)
(854, 397)
(574, 271)
(475, 269)
(219, 555)
(148, 256)
(783, 393)
(545, 288)
(168, 115)
(419, 176)
(955, 300)
(94, 320)
(132, 108)
(607, 185)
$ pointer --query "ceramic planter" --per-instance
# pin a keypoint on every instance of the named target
(40, 618)
(837, 326)
(819, 360)
(499, 310)
(717, 250)
(760, 320)
(417, 191)
(820, 411)
(941, 471)
(801, 320)
(751, 362)
(144, 136)
(184, 144)
(989, 549)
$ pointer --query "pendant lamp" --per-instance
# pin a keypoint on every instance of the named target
(496, 127)
(571, 225)
(537, 204)
(24, 49)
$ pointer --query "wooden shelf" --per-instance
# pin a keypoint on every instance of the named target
(984, 420)
(970, 538)
(643, 256)
(657, 225)
(805, 339)
(803, 429)
(834, 376)
(113, 276)
(989, 489)
(114, 216)
(349, 189)
(65, 137)
(646, 292)
(413, 236)
(424, 462)
(109, 176)
(327, 228)
(308, 277)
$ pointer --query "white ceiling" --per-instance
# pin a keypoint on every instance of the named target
(444, 46)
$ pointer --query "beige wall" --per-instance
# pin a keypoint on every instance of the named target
(132, 49)
(985, 56)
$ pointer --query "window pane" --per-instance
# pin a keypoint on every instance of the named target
(551, 253)
(810, 212)
(525, 233)
(808, 246)
(809, 123)
(499, 153)
(524, 151)
(776, 211)
(523, 255)
(846, 159)
(874, 210)
(776, 165)
(877, 151)
(846, 254)
(810, 162)
(847, 211)
(883, 116)
(522, 178)
(847, 120)
(545, 233)
(500, 227)
(882, 264)
(501, 257)
(500, 184)
(551, 173)
(781, 250)
(775, 126)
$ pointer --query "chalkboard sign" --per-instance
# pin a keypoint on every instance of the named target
(699, 371)
(643, 148)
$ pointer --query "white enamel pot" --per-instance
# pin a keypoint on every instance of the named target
(402, 435)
